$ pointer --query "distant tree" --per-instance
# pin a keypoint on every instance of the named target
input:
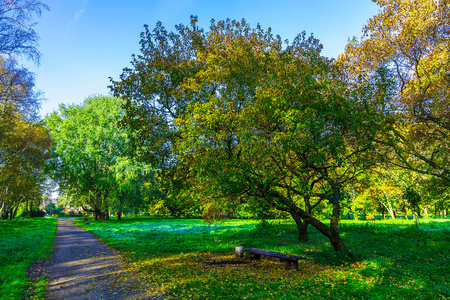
(17, 36)
(413, 198)
(91, 164)
(50, 208)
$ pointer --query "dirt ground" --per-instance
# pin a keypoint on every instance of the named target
(82, 267)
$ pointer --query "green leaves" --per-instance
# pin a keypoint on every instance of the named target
(92, 163)
(237, 115)
(412, 40)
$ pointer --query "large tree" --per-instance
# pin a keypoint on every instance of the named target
(412, 38)
(24, 151)
(252, 119)
(23, 141)
(91, 164)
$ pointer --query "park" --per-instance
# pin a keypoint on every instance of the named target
(190, 259)
(229, 163)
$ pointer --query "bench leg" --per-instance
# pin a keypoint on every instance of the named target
(290, 265)
(255, 256)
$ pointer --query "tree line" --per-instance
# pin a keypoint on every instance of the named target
(233, 119)
(24, 142)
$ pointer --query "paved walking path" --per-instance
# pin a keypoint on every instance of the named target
(83, 267)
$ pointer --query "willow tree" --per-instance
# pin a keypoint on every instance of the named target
(91, 163)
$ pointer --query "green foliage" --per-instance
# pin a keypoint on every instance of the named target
(190, 259)
(239, 117)
(24, 143)
(91, 164)
(35, 212)
(22, 243)
(412, 39)
(412, 196)
(51, 208)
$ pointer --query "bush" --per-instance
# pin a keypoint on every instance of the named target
(59, 215)
(34, 214)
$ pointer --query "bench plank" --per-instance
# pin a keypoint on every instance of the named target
(290, 261)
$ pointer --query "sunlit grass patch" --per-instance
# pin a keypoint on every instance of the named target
(22, 242)
(189, 259)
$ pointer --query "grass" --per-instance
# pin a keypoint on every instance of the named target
(22, 243)
(189, 259)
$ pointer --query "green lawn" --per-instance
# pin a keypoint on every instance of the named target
(23, 242)
(189, 259)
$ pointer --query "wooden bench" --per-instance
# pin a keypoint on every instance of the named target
(290, 261)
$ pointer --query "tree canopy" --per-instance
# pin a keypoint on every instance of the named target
(412, 38)
(90, 163)
(17, 35)
(23, 140)
(253, 118)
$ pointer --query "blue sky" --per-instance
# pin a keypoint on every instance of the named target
(83, 42)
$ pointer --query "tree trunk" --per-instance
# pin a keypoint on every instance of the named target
(302, 227)
(31, 208)
(119, 212)
(425, 212)
(404, 210)
(97, 214)
(388, 206)
(334, 236)
(337, 243)
(382, 209)
(332, 231)
(14, 212)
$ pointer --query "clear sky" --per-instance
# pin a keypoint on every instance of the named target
(83, 42)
